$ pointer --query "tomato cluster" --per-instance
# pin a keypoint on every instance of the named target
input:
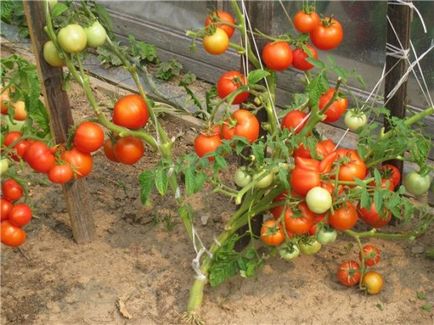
(13, 215)
(350, 273)
(220, 26)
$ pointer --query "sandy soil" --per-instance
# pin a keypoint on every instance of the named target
(141, 260)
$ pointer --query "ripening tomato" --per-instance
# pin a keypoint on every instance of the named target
(299, 57)
(88, 137)
(39, 157)
(5, 209)
(328, 34)
(206, 143)
(272, 233)
(61, 174)
(128, 150)
(246, 126)
(20, 113)
(277, 56)
(294, 120)
(72, 38)
(349, 273)
(11, 190)
(371, 254)
(302, 180)
(11, 235)
(108, 150)
(373, 218)
(373, 282)
(20, 215)
(80, 162)
(305, 22)
(391, 173)
(344, 218)
(216, 43)
(96, 34)
(229, 82)
(4, 100)
(298, 221)
(131, 112)
(51, 55)
(223, 20)
(336, 109)
(352, 167)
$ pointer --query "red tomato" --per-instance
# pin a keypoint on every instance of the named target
(89, 137)
(299, 58)
(229, 82)
(336, 109)
(80, 162)
(302, 180)
(206, 143)
(5, 209)
(372, 218)
(247, 126)
(131, 112)
(327, 35)
(11, 235)
(20, 215)
(352, 167)
(128, 150)
(12, 137)
(223, 20)
(272, 233)
(349, 273)
(327, 163)
(39, 157)
(108, 150)
(21, 147)
(325, 147)
(344, 218)
(305, 22)
(293, 121)
(11, 190)
(61, 174)
(299, 221)
(391, 173)
(277, 211)
(277, 56)
(371, 254)
(307, 163)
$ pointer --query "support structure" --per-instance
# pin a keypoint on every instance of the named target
(400, 17)
(57, 103)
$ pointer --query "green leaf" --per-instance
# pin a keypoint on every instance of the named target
(146, 181)
(169, 69)
(256, 75)
(143, 51)
(104, 18)
(161, 180)
(187, 79)
(186, 213)
(199, 180)
(317, 63)
(427, 307)
(421, 295)
(58, 9)
(189, 180)
(378, 201)
(258, 150)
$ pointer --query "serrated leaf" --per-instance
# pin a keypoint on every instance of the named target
(58, 9)
(189, 180)
(378, 201)
(365, 200)
(256, 75)
(317, 63)
(199, 181)
(146, 182)
(161, 180)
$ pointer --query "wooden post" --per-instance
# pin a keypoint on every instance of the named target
(400, 16)
(56, 100)
(260, 14)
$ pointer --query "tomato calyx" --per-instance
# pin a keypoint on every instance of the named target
(289, 251)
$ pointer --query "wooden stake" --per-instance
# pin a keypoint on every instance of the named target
(56, 100)
(400, 17)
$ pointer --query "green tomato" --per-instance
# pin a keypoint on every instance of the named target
(52, 56)
(241, 177)
(289, 251)
(72, 38)
(265, 181)
(416, 184)
(326, 236)
(309, 247)
(318, 200)
(96, 35)
(4, 166)
(355, 120)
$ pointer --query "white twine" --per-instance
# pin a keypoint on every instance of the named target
(195, 263)
(412, 6)
(217, 242)
(286, 14)
(426, 93)
(259, 58)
